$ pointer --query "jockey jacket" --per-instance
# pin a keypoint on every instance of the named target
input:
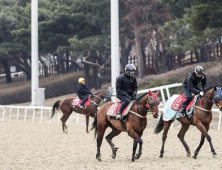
(83, 90)
(191, 81)
(126, 85)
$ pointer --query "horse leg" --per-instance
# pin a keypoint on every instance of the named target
(165, 131)
(87, 123)
(200, 145)
(181, 135)
(140, 148)
(101, 130)
(64, 119)
(204, 134)
(109, 137)
(137, 139)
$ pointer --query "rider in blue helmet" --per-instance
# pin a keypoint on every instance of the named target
(126, 88)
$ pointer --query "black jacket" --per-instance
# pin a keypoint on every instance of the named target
(191, 81)
(126, 85)
(83, 90)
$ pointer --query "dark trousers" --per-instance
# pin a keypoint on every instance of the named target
(125, 101)
(84, 98)
(188, 95)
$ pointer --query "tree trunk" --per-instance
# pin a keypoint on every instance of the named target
(213, 50)
(46, 73)
(67, 61)
(7, 71)
(86, 75)
(198, 58)
(204, 54)
(138, 52)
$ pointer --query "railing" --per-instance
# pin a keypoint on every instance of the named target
(34, 108)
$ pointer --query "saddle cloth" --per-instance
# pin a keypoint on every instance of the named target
(76, 101)
(170, 114)
(113, 110)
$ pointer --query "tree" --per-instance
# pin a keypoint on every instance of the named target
(7, 44)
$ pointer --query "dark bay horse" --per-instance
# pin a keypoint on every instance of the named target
(201, 119)
(66, 107)
(135, 124)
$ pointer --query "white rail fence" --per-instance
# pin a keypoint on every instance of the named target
(42, 115)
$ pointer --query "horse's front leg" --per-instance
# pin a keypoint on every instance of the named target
(136, 138)
(87, 123)
(204, 131)
(140, 147)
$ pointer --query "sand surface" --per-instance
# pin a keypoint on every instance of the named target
(44, 146)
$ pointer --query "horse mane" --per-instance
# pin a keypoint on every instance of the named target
(97, 94)
(208, 88)
(142, 96)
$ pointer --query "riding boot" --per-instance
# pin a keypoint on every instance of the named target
(182, 111)
(119, 116)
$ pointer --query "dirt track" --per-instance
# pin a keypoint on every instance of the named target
(43, 146)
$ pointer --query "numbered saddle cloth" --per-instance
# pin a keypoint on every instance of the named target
(113, 110)
(76, 101)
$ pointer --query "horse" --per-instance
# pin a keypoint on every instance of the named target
(201, 119)
(134, 126)
(67, 108)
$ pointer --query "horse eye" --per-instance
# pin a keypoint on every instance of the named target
(151, 102)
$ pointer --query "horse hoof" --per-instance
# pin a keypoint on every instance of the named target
(133, 159)
(137, 156)
(188, 154)
(214, 156)
(98, 157)
(194, 157)
(113, 156)
(161, 156)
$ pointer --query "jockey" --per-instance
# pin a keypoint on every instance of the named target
(190, 84)
(83, 92)
(126, 88)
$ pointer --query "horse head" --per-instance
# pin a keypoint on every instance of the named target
(153, 102)
(217, 97)
(100, 96)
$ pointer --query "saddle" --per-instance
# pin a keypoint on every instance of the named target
(177, 103)
(113, 110)
(76, 101)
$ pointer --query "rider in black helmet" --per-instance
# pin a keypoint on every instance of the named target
(190, 84)
(126, 88)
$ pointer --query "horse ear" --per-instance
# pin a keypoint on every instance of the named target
(150, 93)
(157, 92)
(215, 88)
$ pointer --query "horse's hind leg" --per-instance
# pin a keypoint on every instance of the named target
(166, 128)
(101, 130)
(181, 135)
(109, 137)
(64, 119)
(87, 123)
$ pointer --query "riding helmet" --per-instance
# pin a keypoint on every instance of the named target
(129, 69)
(81, 80)
(199, 70)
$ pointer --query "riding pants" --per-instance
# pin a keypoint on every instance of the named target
(84, 98)
(125, 101)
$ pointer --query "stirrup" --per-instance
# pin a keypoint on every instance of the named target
(80, 106)
(119, 117)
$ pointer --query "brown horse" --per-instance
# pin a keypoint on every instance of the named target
(201, 119)
(67, 108)
(135, 124)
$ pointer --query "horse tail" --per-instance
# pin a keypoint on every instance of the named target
(159, 126)
(55, 106)
(94, 126)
